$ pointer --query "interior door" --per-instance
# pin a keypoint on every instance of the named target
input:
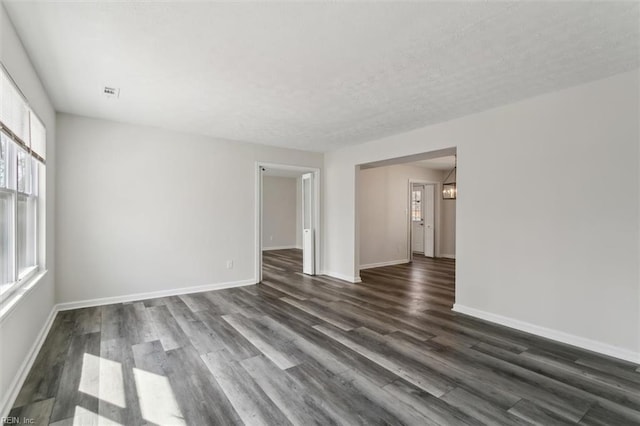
(417, 218)
(308, 232)
(428, 209)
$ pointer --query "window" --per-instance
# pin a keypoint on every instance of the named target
(22, 157)
(416, 208)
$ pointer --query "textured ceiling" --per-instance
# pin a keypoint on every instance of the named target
(316, 76)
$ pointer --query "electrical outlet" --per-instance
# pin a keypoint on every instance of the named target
(270, 237)
(229, 264)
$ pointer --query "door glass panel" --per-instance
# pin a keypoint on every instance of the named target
(416, 210)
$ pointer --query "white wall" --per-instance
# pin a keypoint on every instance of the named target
(447, 228)
(20, 328)
(550, 251)
(279, 212)
(383, 199)
(142, 209)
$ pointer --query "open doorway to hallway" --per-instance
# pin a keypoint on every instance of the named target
(287, 220)
(431, 221)
(404, 218)
(281, 220)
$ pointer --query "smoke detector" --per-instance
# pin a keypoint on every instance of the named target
(111, 92)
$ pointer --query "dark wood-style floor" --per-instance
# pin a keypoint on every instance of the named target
(315, 350)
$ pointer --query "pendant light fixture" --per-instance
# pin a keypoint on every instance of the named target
(449, 189)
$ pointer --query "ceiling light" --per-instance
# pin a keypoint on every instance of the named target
(449, 189)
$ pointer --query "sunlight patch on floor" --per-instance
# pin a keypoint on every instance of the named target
(102, 378)
(157, 401)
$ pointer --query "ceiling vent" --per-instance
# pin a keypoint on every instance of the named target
(111, 92)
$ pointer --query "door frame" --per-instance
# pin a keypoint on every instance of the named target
(259, 210)
(436, 216)
(422, 189)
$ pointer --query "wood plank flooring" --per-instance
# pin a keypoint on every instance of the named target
(315, 350)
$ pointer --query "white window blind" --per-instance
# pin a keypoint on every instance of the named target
(14, 112)
(38, 137)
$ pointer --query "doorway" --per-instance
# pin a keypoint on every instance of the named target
(392, 224)
(422, 220)
(287, 236)
(406, 222)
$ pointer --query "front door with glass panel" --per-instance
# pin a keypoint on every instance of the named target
(417, 218)
(422, 219)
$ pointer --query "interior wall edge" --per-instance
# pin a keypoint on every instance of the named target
(22, 372)
(152, 295)
(549, 333)
(281, 248)
(388, 263)
(343, 277)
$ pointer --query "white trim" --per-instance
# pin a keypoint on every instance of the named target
(8, 305)
(152, 295)
(258, 223)
(448, 256)
(280, 248)
(380, 264)
(347, 278)
(559, 336)
(23, 371)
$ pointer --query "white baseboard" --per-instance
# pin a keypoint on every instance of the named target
(152, 295)
(347, 278)
(381, 264)
(280, 248)
(23, 371)
(559, 336)
(448, 256)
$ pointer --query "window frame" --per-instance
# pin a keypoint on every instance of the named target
(31, 194)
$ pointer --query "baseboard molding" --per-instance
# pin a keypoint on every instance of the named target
(381, 264)
(448, 256)
(152, 295)
(280, 248)
(18, 381)
(552, 334)
(347, 278)
(24, 369)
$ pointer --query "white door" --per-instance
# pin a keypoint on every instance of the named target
(429, 219)
(417, 218)
(308, 233)
(423, 219)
